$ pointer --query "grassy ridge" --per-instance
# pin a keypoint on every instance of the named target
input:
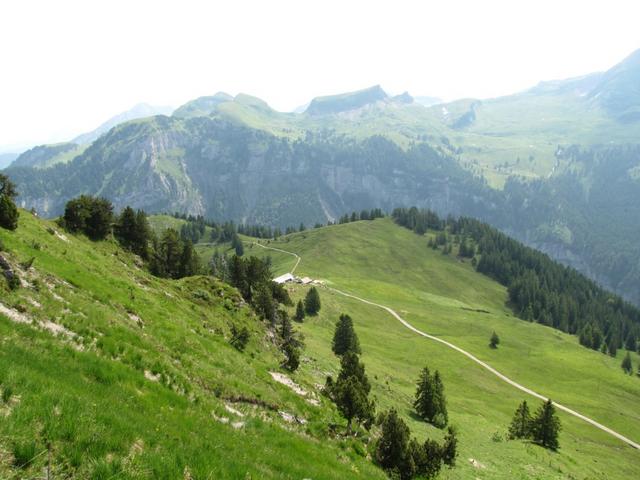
(137, 379)
(444, 296)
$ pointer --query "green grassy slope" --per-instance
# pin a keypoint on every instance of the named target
(442, 296)
(130, 377)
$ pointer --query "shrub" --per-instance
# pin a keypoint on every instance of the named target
(24, 453)
(7, 392)
(239, 337)
(13, 281)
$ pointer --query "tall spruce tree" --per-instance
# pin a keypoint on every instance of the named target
(441, 418)
(345, 338)
(299, 317)
(546, 426)
(125, 228)
(627, 366)
(237, 245)
(142, 235)
(430, 402)
(312, 302)
(521, 424)
(425, 394)
(449, 449)
(351, 390)
(189, 261)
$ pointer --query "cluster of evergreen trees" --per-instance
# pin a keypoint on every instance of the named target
(362, 215)
(395, 451)
(418, 220)
(168, 256)
(193, 230)
(252, 276)
(172, 257)
(542, 429)
(539, 289)
(195, 227)
(92, 216)
(133, 232)
(221, 232)
(404, 457)
(8, 211)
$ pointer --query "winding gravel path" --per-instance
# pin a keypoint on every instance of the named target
(468, 355)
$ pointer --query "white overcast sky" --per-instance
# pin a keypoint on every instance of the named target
(66, 66)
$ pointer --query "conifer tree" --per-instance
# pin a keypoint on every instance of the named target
(189, 261)
(630, 343)
(627, 366)
(449, 449)
(345, 338)
(430, 402)
(142, 235)
(286, 330)
(312, 302)
(299, 317)
(8, 211)
(292, 357)
(237, 245)
(428, 458)
(351, 392)
(441, 417)
(392, 449)
(126, 227)
(521, 424)
(425, 394)
(546, 426)
(495, 340)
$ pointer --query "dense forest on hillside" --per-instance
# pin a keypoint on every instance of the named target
(539, 289)
(586, 216)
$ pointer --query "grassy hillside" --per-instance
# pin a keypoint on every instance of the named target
(446, 297)
(129, 376)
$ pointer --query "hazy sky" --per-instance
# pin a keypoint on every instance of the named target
(66, 66)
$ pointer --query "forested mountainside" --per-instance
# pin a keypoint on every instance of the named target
(586, 216)
(222, 171)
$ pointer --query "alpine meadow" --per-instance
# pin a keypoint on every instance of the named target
(323, 281)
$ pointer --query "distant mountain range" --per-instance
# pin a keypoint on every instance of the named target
(43, 156)
(141, 110)
(557, 166)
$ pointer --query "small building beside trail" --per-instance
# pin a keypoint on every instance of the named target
(287, 277)
(305, 280)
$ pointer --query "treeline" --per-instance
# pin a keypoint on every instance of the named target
(362, 215)
(195, 227)
(540, 289)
